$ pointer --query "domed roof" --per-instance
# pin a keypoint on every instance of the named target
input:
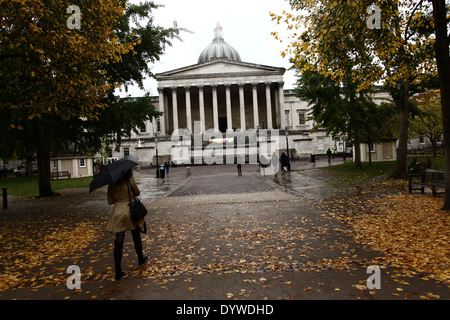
(218, 49)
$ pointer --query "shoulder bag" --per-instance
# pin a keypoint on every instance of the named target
(137, 209)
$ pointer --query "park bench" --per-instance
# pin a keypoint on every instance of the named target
(61, 174)
(430, 178)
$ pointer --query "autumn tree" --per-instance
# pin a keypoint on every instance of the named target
(440, 19)
(398, 51)
(50, 70)
(124, 116)
(428, 121)
(58, 72)
(338, 109)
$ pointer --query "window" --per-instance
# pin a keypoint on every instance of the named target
(55, 164)
(371, 147)
(421, 139)
(286, 118)
(301, 117)
(158, 125)
(126, 152)
(82, 163)
(320, 144)
(109, 152)
(143, 129)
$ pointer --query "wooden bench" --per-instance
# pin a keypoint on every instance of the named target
(61, 174)
(430, 178)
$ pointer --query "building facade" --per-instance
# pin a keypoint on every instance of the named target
(222, 96)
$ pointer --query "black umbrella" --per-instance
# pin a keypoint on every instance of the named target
(112, 172)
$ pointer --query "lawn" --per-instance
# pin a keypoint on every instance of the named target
(347, 172)
(28, 186)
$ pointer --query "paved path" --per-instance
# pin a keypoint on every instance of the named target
(215, 235)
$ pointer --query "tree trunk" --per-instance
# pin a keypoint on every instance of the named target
(357, 155)
(400, 171)
(443, 66)
(29, 165)
(43, 159)
(434, 146)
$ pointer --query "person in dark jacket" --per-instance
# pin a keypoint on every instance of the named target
(284, 162)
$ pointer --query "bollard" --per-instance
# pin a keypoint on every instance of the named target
(5, 198)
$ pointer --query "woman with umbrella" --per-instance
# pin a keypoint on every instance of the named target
(120, 221)
(121, 186)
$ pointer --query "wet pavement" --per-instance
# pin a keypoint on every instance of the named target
(214, 235)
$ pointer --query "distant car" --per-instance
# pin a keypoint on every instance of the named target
(22, 169)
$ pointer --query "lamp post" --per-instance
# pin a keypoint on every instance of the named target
(156, 149)
(287, 148)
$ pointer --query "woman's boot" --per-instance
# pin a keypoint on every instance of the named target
(118, 247)
(138, 246)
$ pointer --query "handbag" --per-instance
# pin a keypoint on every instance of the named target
(137, 209)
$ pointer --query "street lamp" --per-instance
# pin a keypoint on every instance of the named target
(156, 149)
(287, 148)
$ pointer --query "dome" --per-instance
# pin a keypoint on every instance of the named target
(218, 49)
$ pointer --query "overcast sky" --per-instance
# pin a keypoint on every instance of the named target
(246, 24)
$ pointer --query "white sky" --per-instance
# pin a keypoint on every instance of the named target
(246, 24)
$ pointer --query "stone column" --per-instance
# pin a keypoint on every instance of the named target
(162, 121)
(201, 101)
(242, 106)
(255, 105)
(277, 109)
(281, 104)
(228, 101)
(188, 108)
(268, 106)
(175, 108)
(215, 108)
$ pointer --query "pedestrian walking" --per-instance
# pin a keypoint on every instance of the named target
(119, 194)
(284, 160)
(239, 165)
(329, 155)
(166, 166)
(264, 163)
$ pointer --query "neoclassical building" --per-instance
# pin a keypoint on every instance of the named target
(223, 94)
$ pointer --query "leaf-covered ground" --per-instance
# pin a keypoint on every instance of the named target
(410, 231)
(272, 242)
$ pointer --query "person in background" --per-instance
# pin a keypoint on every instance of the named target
(167, 165)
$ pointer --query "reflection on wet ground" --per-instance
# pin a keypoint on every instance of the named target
(303, 185)
(223, 179)
(153, 188)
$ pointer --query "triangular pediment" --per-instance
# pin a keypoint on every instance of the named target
(220, 67)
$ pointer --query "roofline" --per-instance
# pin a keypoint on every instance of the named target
(248, 64)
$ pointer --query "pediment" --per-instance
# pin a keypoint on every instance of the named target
(219, 67)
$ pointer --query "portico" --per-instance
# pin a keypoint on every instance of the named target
(222, 95)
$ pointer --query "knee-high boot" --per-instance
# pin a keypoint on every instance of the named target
(118, 247)
(137, 241)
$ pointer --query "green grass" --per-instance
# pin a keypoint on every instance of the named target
(28, 186)
(347, 172)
